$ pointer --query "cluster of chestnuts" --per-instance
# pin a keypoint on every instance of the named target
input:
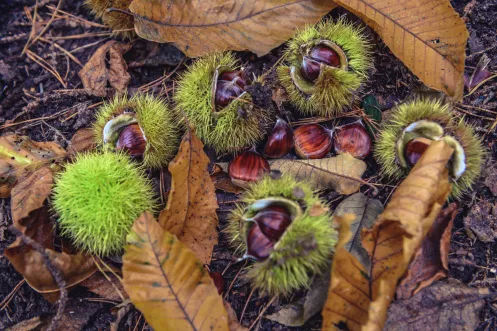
(310, 141)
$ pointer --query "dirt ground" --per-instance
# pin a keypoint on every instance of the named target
(46, 110)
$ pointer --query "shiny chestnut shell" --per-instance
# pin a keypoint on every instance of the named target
(230, 85)
(248, 166)
(415, 149)
(353, 139)
(312, 141)
(258, 245)
(311, 64)
(273, 221)
(280, 141)
(132, 140)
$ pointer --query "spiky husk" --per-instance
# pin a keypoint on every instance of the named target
(432, 110)
(304, 249)
(156, 120)
(334, 88)
(98, 197)
(239, 125)
(115, 20)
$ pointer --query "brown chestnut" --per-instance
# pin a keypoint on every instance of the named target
(273, 221)
(259, 247)
(353, 139)
(132, 140)
(311, 64)
(312, 141)
(248, 167)
(415, 149)
(230, 85)
(280, 141)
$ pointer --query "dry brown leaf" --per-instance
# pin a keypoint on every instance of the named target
(83, 140)
(30, 215)
(190, 213)
(444, 306)
(334, 172)
(431, 261)
(167, 283)
(427, 35)
(232, 319)
(19, 156)
(110, 289)
(96, 72)
(201, 27)
(222, 181)
(358, 297)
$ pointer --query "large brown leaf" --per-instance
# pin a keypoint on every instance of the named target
(190, 213)
(427, 35)
(20, 156)
(359, 297)
(200, 27)
(167, 283)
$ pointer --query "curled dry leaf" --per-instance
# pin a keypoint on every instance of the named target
(96, 72)
(366, 211)
(359, 297)
(190, 213)
(83, 140)
(201, 27)
(337, 172)
(427, 35)
(167, 283)
(30, 215)
(19, 155)
(443, 306)
(431, 261)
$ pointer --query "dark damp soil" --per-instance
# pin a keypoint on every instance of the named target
(46, 110)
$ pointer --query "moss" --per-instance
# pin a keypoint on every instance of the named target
(237, 126)
(434, 111)
(157, 121)
(98, 197)
(304, 249)
(334, 90)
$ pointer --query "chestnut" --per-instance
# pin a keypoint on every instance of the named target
(248, 166)
(280, 141)
(312, 141)
(259, 247)
(230, 85)
(353, 139)
(132, 140)
(273, 221)
(415, 149)
(311, 63)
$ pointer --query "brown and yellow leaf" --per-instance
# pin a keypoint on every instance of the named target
(431, 261)
(97, 72)
(337, 172)
(190, 213)
(359, 297)
(201, 27)
(167, 283)
(427, 35)
(83, 140)
(19, 155)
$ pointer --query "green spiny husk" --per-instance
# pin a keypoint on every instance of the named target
(335, 88)
(304, 249)
(422, 109)
(237, 126)
(98, 197)
(156, 120)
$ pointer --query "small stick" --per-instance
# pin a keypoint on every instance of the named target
(55, 272)
(262, 313)
(246, 305)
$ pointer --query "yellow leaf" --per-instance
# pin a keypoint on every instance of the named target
(359, 297)
(19, 156)
(190, 213)
(200, 27)
(337, 172)
(427, 35)
(167, 283)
